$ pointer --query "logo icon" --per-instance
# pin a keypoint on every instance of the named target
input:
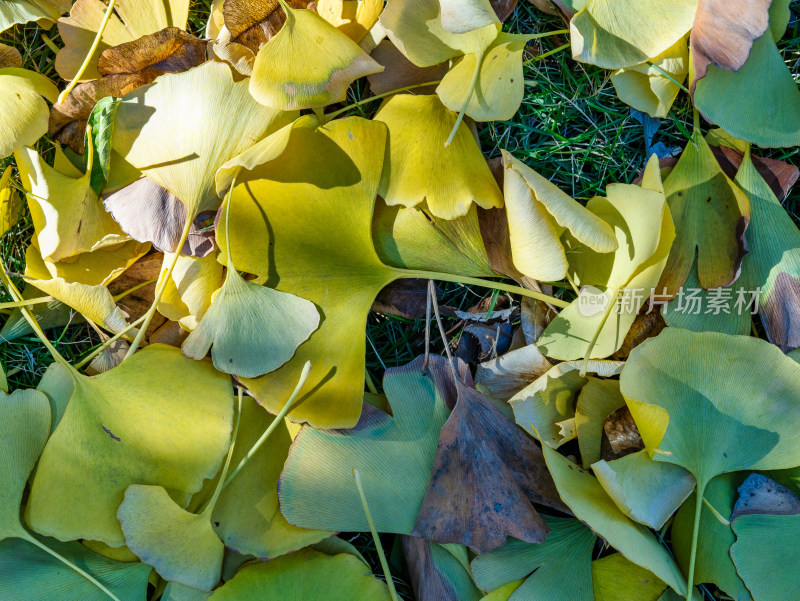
(592, 301)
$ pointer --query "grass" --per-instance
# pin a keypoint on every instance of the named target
(571, 127)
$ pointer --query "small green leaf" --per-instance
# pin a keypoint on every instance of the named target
(101, 121)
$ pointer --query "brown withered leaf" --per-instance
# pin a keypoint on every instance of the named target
(149, 213)
(138, 302)
(723, 33)
(503, 8)
(124, 68)
(399, 72)
(780, 176)
(646, 325)
(505, 376)
(545, 6)
(486, 476)
(621, 435)
(253, 22)
(427, 578)
(406, 298)
(9, 57)
(111, 356)
(170, 332)
(759, 495)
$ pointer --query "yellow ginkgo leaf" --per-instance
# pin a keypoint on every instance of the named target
(421, 168)
(538, 213)
(44, 12)
(10, 203)
(354, 18)
(307, 64)
(463, 16)
(23, 111)
(190, 288)
(68, 217)
(646, 87)
(614, 35)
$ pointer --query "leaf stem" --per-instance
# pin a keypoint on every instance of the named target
(446, 277)
(539, 57)
(25, 303)
(148, 317)
(273, 426)
(378, 546)
(92, 50)
(209, 505)
(34, 541)
(335, 114)
(720, 518)
(470, 91)
(698, 510)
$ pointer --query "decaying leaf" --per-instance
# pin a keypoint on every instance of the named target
(124, 68)
(505, 376)
(399, 72)
(621, 432)
(253, 24)
(9, 57)
(136, 19)
(479, 500)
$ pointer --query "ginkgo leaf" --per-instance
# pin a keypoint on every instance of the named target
(81, 284)
(759, 103)
(136, 19)
(327, 498)
(715, 538)
(651, 86)
(253, 24)
(354, 18)
(505, 376)
(538, 213)
(711, 214)
(480, 501)
(463, 16)
(560, 565)
(596, 401)
(590, 504)
(24, 11)
(644, 230)
(645, 490)
(10, 203)
(247, 517)
(28, 572)
(308, 64)
(548, 401)
(614, 36)
(181, 546)
(68, 217)
(24, 428)
(190, 288)
(23, 111)
(138, 423)
(614, 578)
(251, 329)
(9, 56)
(759, 494)
(182, 149)
(449, 179)
(301, 576)
(695, 397)
(436, 573)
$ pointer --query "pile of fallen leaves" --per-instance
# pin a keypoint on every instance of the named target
(221, 220)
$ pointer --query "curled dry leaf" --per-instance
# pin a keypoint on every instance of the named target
(621, 433)
(124, 68)
(723, 33)
(253, 24)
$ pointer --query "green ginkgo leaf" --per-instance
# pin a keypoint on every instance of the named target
(24, 428)
(23, 111)
(307, 64)
(614, 578)
(538, 213)
(596, 401)
(138, 423)
(449, 179)
(589, 502)
(711, 214)
(302, 576)
(559, 569)
(182, 149)
(623, 280)
(385, 449)
(696, 398)
(68, 217)
(27, 572)
(439, 572)
(615, 35)
(759, 103)
(715, 538)
(646, 491)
